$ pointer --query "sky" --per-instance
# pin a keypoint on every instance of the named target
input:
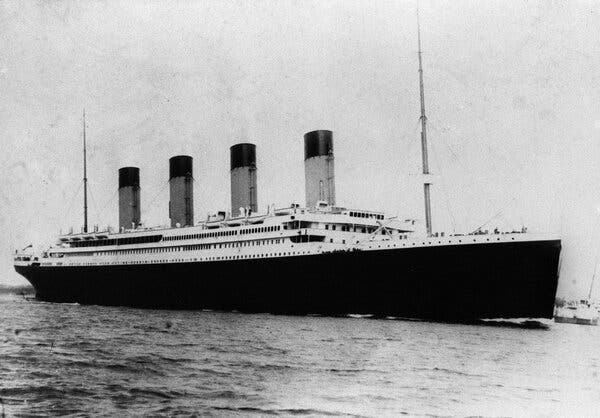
(512, 91)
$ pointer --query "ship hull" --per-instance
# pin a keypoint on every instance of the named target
(449, 283)
(577, 321)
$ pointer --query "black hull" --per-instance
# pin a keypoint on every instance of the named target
(449, 283)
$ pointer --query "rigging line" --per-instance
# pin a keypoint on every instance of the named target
(59, 223)
(433, 125)
(410, 134)
(514, 164)
(411, 143)
(468, 172)
(94, 204)
(594, 228)
(456, 157)
(443, 188)
(495, 216)
(596, 259)
(522, 181)
(491, 151)
(70, 206)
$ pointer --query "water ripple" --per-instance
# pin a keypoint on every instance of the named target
(59, 359)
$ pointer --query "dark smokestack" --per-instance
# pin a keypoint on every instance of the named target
(129, 197)
(318, 167)
(243, 178)
(181, 182)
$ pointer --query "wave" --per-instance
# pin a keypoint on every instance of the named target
(514, 323)
(154, 393)
(348, 370)
(447, 371)
(45, 391)
(283, 411)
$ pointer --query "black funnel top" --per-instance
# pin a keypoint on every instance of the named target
(243, 155)
(317, 143)
(180, 166)
(129, 176)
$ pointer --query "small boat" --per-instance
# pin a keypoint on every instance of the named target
(582, 313)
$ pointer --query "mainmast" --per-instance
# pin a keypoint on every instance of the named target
(85, 205)
(423, 118)
(592, 285)
(593, 277)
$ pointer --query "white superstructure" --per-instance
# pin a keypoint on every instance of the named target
(292, 231)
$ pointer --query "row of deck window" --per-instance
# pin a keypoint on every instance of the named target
(221, 258)
(299, 239)
(365, 215)
(232, 232)
(190, 247)
(350, 228)
(146, 239)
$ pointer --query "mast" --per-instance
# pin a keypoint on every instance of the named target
(423, 119)
(595, 260)
(593, 276)
(592, 284)
(85, 205)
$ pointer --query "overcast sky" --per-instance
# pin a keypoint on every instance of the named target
(512, 94)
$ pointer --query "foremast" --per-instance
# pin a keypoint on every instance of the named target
(423, 118)
(85, 202)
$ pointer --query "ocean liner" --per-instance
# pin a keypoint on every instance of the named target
(320, 258)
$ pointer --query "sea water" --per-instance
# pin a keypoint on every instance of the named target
(89, 360)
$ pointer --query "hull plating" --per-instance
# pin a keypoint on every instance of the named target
(578, 321)
(501, 280)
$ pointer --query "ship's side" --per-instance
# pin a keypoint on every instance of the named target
(577, 321)
(318, 271)
(580, 314)
(321, 259)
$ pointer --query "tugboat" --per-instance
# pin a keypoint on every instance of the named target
(581, 313)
